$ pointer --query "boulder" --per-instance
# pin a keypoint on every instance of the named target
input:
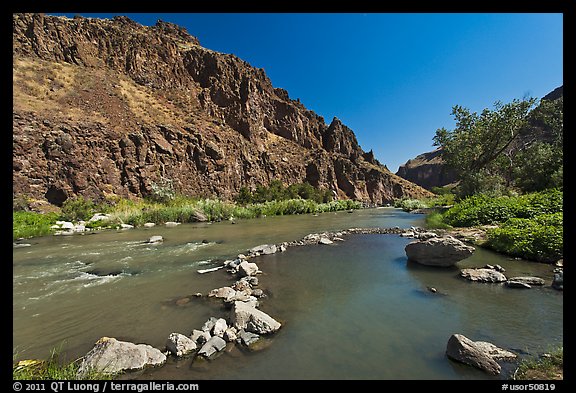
(209, 324)
(219, 327)
(249, 318)
(171, 224)
(111, 356)
(247, 269)
(230, 334)
(224, 292)
(325, 240)
(558, 282)
(66, 225)
(438, 251)
(264, 249)
(482, 275)
(155, 239)
(98, 217)
(200, 336)
(215, 344)
(247, 338)
(528, 280)
(126, 226)
(149, 225)
(180, 345)
(478, 354)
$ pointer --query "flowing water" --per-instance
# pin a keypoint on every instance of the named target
(352, 310)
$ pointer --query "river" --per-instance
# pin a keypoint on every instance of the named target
(351, 310)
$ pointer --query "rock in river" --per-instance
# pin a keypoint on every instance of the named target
(479, 354)
(253, 320)
(558, 282)
(155, 239)
(215, 344)
(112, 356)
(528, 280)
(483, 275)
(247, 269)
(438, 251)
(180, 345)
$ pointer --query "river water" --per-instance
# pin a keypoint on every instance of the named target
(351, 310)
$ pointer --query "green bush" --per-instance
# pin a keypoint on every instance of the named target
(78, 208)
(435, 220)
(28, 224)
(408, 204)
(484, 209)
(540, 238)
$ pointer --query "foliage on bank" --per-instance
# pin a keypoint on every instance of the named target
(529, 226)
(549, 367)
(52, 369)
(177, 208)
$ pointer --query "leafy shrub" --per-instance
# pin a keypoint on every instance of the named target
(540, 238)
(483, 209)
(408, 204)
(163, 191)
(78, 209)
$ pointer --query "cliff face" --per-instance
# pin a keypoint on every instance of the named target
(110, 107)
(427, 170)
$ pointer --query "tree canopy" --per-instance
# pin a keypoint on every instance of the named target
(512, 146)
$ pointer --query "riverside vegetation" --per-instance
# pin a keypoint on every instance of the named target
(164, 205)
(528, 226)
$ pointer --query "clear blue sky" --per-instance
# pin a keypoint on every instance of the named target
(392, 78)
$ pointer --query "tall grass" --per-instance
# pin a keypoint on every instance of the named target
(55, 368)
(29, 224)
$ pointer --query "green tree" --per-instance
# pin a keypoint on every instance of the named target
(540, 162)
(482, 147)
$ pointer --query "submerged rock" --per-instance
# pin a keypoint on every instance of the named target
(517, 284)
(478, 354)
(111, 356)
(528, 280)
(438, 251)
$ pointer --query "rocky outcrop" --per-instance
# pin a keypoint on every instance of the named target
(111, 356)
(438, 251)
(428, 170)
(479, 354)
(107, 108)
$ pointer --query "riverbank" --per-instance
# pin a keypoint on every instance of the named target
(80, 216)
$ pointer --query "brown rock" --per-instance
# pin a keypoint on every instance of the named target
(110, 107)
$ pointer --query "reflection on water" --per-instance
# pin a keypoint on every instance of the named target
(351, 310)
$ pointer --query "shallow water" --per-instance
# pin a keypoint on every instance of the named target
(351, 310)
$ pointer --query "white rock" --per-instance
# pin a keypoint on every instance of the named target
(155, 239)
(253, 320)
(180, 345)
(149, 225)
(171, 224)
(219, 327)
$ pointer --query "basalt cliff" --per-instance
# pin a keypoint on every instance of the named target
(109, 107)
